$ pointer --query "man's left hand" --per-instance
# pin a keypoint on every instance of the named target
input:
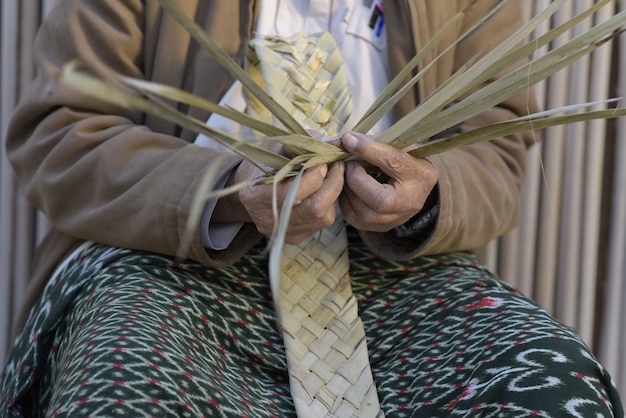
(379, 206)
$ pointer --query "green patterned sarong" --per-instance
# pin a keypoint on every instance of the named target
(121, 332)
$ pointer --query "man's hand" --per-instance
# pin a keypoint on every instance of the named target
(370, 205)
(315, 204)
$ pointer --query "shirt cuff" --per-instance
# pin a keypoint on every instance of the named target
(218, 236)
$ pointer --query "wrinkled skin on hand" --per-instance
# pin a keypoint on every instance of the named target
(368, 203)
(379, 206)
(315, 204)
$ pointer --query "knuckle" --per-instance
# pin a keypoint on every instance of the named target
(291, 240)
(297, 200)
(328, 219)
(432, 177)
(264, 227)
(431, 172)
(245, 195)
(317, 210)
(295, 239)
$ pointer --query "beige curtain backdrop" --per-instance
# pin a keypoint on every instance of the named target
(568, 254)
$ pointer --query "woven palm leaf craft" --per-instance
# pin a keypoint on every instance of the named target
(328, 364)
(297, 84)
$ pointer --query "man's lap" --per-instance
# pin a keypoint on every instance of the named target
(149, 332)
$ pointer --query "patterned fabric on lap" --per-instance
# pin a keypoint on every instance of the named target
(123, 332)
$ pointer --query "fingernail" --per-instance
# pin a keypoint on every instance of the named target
(324, 170)
(349, 141)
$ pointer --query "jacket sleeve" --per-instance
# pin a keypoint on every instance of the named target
(479, 185)
(99, 172)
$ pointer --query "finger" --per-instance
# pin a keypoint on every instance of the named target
(296, 238)
(360, 215)
(319, 210)
(310, 228)
(392, 161)
(332, 185)
(311, 181)
(258, 199)
(298, 224)
(367, 188)
(303, 227)
(348, 203)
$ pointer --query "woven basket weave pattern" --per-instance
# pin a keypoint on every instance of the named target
(327, 357)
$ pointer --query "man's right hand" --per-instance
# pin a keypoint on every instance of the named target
(315, 204)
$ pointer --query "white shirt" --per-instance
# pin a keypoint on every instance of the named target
(357, 26)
